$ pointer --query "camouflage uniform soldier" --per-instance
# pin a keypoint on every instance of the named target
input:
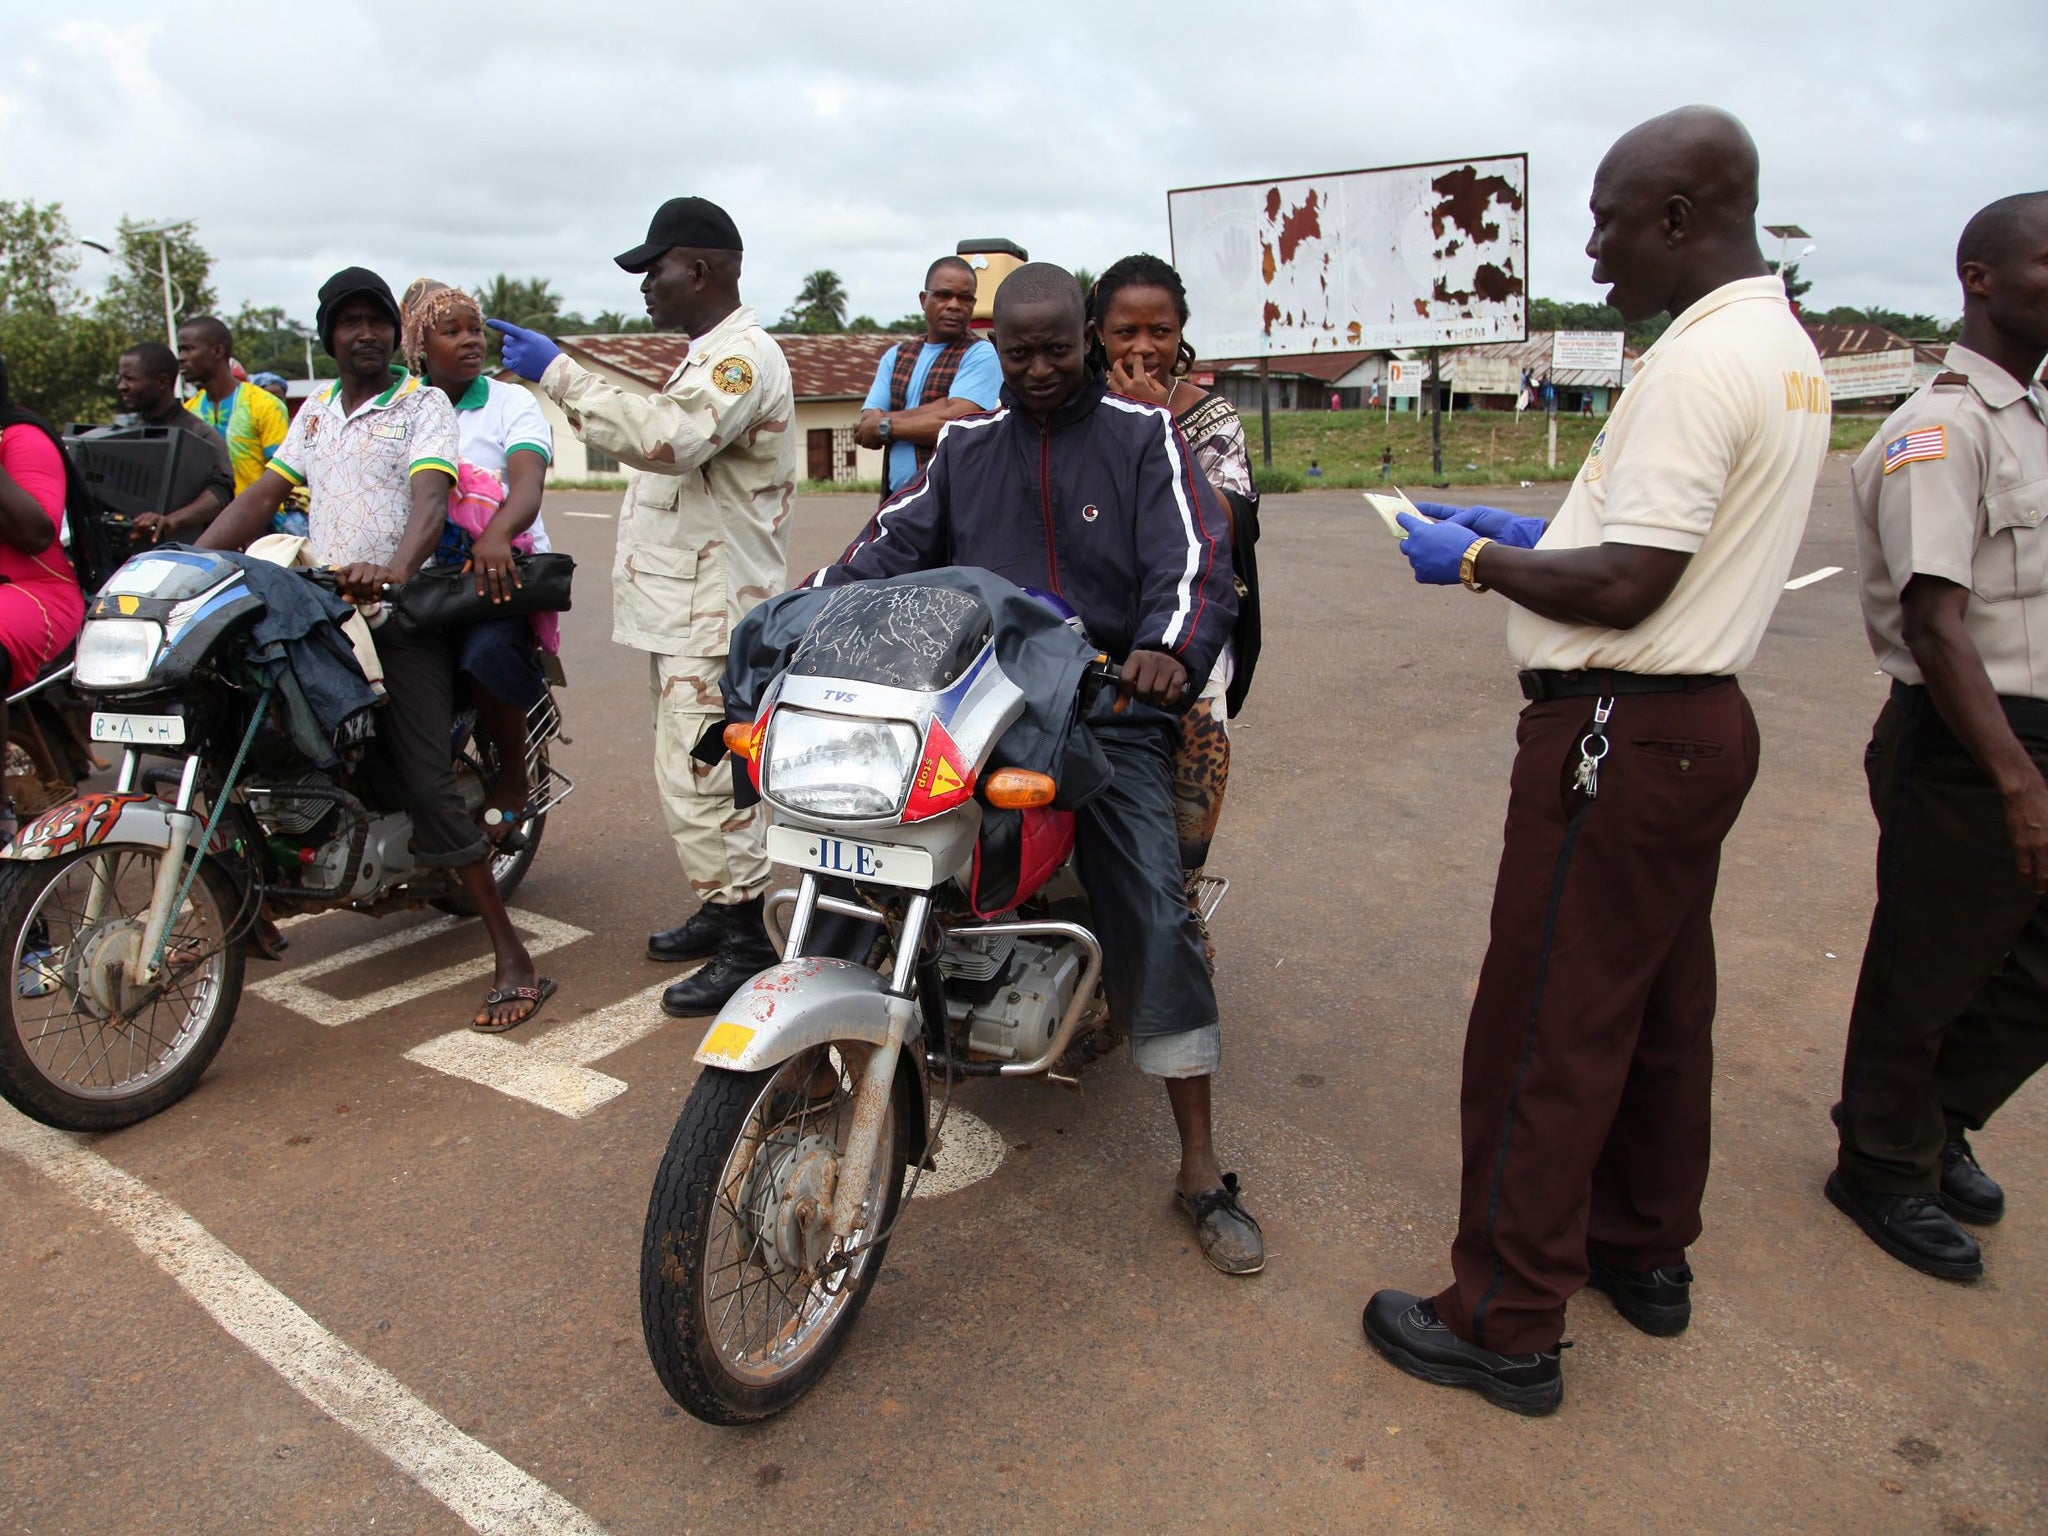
(703, 535)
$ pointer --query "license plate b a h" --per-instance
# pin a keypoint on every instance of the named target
(138, 730)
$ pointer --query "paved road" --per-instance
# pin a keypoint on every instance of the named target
(1045, 1351)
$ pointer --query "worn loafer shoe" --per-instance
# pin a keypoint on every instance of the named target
(1968, 1193)
(1229, 1234)
(1658, 1301)
(1407, 1330)
(1914, 1229)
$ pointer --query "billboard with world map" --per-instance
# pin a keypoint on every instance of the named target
(1406, 256)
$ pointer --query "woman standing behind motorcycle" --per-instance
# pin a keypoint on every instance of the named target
(506, 447)
(1137, 317)
(41, 606)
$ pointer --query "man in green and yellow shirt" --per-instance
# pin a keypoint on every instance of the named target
(253, 420)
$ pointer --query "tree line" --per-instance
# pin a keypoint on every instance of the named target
(62, 346)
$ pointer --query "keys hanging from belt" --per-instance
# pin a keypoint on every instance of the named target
(1593, 751)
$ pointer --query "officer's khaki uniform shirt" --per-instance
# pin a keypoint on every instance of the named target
(1955, 485)
(1713, 451)
(704, 529)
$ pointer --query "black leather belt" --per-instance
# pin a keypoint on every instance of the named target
(2027, 717)
(1603, 684)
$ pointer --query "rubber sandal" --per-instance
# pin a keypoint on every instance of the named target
(537, 995)
(1229, 1234)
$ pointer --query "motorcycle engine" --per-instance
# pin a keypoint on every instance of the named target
(1008, 995)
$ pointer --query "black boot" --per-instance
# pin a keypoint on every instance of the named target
(699, 938)
(743, 954)
(1408, 1332)
(1968, 1193)
(1913, 1229)
(1658, 1301)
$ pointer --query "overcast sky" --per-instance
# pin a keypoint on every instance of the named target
(537, 138)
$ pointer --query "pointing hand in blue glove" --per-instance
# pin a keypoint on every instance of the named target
(527, 353)
(1435, 549)
(1488, 522)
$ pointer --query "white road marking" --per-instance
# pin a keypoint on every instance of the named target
(605, 516)
(292, 990)
(551, 1070)
(1812, 576)
(481, 1488)
(970, 1149)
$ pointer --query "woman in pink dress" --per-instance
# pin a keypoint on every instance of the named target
(41, 606)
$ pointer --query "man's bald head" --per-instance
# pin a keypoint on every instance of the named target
(1039, 325)
(1699, 153)
(1674, 212)
(1040, 284)
(2002, 259)
(1999, 231)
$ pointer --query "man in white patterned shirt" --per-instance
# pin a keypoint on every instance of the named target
(377, 453)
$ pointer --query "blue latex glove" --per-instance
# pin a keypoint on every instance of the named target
(526, 353)
(1435, 549)
(1489, 522)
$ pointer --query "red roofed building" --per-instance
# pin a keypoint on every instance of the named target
(830, 374)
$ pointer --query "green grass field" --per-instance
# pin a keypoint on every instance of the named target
(1480, 447)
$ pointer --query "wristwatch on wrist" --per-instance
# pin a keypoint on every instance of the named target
(884, 429)
(1468, 571)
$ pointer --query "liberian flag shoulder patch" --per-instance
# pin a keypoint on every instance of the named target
(1927, 443)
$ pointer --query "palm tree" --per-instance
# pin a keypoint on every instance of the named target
(528, 301)
(819, 306)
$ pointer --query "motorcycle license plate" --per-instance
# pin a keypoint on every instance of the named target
(138, 730)
(886, 863)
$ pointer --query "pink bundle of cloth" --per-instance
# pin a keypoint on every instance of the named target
(477, 497)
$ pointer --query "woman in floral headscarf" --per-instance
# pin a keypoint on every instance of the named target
(494, 511)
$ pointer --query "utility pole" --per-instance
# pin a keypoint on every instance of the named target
(1265, 411)
(1436, 418)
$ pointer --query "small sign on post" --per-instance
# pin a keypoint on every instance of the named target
(1588, 351)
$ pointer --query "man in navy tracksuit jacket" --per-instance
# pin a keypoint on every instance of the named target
(1093, 496)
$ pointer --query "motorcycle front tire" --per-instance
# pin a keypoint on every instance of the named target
(677, 1271)
(40, 1096)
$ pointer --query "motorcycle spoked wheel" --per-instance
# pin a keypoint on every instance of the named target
(507, 869)
(740, 1317)
(80, 1048)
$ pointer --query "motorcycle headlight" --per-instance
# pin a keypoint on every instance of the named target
(833, 765)
(116, 653)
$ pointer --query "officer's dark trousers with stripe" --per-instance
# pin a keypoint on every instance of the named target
(1589, 1053)
(1951, 1011)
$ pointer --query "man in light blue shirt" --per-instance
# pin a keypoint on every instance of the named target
(953, 369)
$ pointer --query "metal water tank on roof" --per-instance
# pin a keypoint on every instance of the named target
(992, 260)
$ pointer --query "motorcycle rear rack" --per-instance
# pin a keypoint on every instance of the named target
(549, 785)
(1206, 893)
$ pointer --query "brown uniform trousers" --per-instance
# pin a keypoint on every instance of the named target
(1951, 1011)
(1588, 1072)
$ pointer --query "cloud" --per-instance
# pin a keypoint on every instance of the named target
(537, 138)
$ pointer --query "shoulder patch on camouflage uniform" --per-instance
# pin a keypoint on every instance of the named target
(734, 375)
(1941, 379)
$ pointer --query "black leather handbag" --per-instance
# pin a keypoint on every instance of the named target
(444, 596)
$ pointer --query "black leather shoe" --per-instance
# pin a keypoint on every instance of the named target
(1968, 1193)
(1658, 1301)
(1408, 1332)
(1913, 1229)
(699, 938)
(740, 958)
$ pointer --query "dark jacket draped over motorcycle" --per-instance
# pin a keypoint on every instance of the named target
(1101, 504)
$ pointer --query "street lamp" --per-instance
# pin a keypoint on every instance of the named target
(1785, 235)
(161, 229)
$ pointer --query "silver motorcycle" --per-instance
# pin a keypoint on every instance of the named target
(782, 1183)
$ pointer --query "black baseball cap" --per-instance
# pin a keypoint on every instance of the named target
(349, 283)
(695, 223)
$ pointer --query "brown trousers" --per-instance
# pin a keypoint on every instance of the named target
(1951, 1011)
(1589, 1052)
